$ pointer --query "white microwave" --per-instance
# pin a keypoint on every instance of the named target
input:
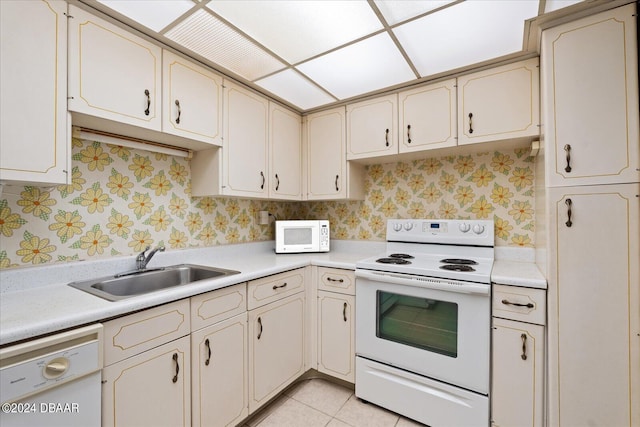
(297, 236)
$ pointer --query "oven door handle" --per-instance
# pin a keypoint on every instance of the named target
(426, 282)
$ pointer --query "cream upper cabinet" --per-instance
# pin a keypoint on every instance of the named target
(245, 164)
(499, 103)
(33, 61)
(329, 175)
(590, 100)
(113, 74)
(372, 128)
(192, 100)
(285, 154)
(594, 305)
(427, 117)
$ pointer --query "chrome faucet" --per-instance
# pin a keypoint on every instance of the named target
(142, 259)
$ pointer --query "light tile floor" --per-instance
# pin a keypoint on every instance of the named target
(321, 403)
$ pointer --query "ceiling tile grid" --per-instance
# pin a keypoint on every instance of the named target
(312, 53)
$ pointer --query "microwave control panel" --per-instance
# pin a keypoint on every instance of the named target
(324, 236)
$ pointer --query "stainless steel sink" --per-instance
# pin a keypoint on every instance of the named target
(126, 285)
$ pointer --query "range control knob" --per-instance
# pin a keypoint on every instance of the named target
(397, 226)
(478, 229)
(464, 227)
(408, 226)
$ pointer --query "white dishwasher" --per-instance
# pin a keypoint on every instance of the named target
(53, 381)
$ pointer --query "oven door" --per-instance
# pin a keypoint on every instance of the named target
(436, 328)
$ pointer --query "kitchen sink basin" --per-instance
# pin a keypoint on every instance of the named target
(126, 285)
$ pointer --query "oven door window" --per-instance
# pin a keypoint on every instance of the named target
(424, 323)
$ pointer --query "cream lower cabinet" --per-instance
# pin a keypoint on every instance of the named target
(518, 355)
(276, 348)
(336, 335)
(591, 122)
(35, 144)
(336, 323)
(499, 103)
(594, 305)
(147, 377)
(219, 372)
(219, 354)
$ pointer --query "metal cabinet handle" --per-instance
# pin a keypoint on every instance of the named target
(146, 92)
(179, 112)
(175, 359)
(569, 204)
(280, 286)
(331, 279)
(337, 177)
(567, 150)
(206, 343)
(260, 324)
(470, 122)
(386, 137)
(263, 180)
(524, 346)
(344, 312)
(517, 304)
(277, 182)
(408, 134)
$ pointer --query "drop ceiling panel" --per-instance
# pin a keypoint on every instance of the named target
(153, 14)
(359, 68)
(298, 30)
(209, 37)
(294, 88)
(395, 11)
(465, 34)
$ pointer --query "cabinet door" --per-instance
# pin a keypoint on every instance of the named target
(590, 100)
(336, 337)
(276, 348)
(517, 374)
(372, 128)
(500, 103)
(219, 373)
(245, 143)
(192, 100)
(325, 161)
(33, 77)
(113, 74)
(427, 117)
(285, 134)
(594, 305)
(150, 389)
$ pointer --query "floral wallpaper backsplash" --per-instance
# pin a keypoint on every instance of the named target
(121, 200)
(496, 185)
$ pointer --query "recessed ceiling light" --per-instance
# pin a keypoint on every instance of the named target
(153, 14)
(294, 88)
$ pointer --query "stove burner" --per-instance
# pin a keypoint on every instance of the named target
(401, 256)
(457, 267)
(393, 261)
(459, 261)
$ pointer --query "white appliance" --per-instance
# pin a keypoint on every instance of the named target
(296, 236)
(53, 381)
(423, 321)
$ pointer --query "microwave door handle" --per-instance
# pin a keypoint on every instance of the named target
(428, 283)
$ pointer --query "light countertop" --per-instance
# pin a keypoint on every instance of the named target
(36, 300)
